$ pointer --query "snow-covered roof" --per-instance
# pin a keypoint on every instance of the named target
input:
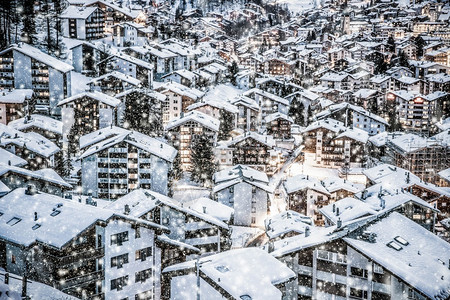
(267, 95)
(180, 89)
(261, 138)
(118, 75)
(195, 116)
(278, 115)
(108, 100)
(218, 210)
(410, 252)
(48, 175)
(32, 141)
(127, 12)
(347, 209)
(364, 93)
(77, 12)
(257, 282)
(15, 96)
(151, 93)
(58, 220)
(222, 92)
(142, 141)
(355, 134)
(183, 73)
(411, 142)
(100, 135)
(301, 182)
(330, 124)
(38, 121)
(335, 77)
(334, 184)
(245, 101)
(40, 56)
(287, 221)
(134, 60)
(241, 173)
(141, 201)
(356, 109)
(7, 158)
(220, 104)
(445, 174)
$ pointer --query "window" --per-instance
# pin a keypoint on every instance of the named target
(144, 296)
(119, 238)
(142, 254)
(358, 294)
(253, 189)
(231, 189)
(119, 261)
(142, 276)
(13, 221)
(401, 240)
(394, 245)
(359, 272)
(253, 220)
(36, 226)
(13, 259)
(253, 209)
(119, 283)
(137, 232)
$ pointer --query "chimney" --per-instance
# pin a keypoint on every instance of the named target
(9, 162)
(127, 209)
(339, 223)
(337, 211)
(204, 209)
(31, 190)
(334, 207)
(307, 231)
(35, 216)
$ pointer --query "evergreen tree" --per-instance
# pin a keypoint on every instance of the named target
(175, 173)
(226, 125)
(202, 156)
(309, 115)
(297, 112)
(394, 123)
(403, 59)
(420, 43)
(142, 114)
(232, 71)
(391, 44)
(63, 164)
(28, 21)
(73, 138)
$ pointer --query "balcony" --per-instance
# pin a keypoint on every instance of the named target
(65, 284)
(91, 254)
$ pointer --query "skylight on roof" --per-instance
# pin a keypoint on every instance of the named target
(401, 240)
(222, 269)
(36, 226)
(14, 221)
(55, 213)
(394, 245)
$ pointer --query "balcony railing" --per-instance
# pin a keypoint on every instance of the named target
(65, 284)
(90, 254)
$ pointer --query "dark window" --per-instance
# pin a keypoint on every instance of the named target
(142, 254)
(119, 238)
(142, 276)
(358, 294)
(119, 261)
(359, 272)
(119, 283)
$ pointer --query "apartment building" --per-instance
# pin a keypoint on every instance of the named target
(114, 166)
(24, 67)
(367, 260)
(178, 98)
(91, 252)
(83, 23)
(182, 131)
(114, 83)
(90, 111)
(269, 103)
(279, 126)
(249, 113)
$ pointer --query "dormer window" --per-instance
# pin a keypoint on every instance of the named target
(55, 213)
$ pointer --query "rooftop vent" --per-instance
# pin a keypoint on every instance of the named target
(31, 190)
(127, 209)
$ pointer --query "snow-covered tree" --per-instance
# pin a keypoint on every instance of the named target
(297, 111)
(28, 21)
(63, 164)
(226, 125)
(233, 69)
(203, 165)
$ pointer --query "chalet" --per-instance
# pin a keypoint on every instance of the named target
(335, 145)
(269, 103)
(90, 111)
(114, 166)
(187, 56)
(38, 151)
(216, 109)
(183, 77)
(287, 224)
(113, 83)
(113, 14)
(182, 131)
(306, 195)
(83, 23)
(85, 56)
(26, 67)
(47, 127)
(256, 150)
(44, 180)
(130, 67)
(339, 188)
(163, 61)
(130, 34)
(246, 190)
(13, 104)
(279, 126)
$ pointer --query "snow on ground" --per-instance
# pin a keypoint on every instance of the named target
(79, 83)
(298, 6)
(241, 235)
(185, 190)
